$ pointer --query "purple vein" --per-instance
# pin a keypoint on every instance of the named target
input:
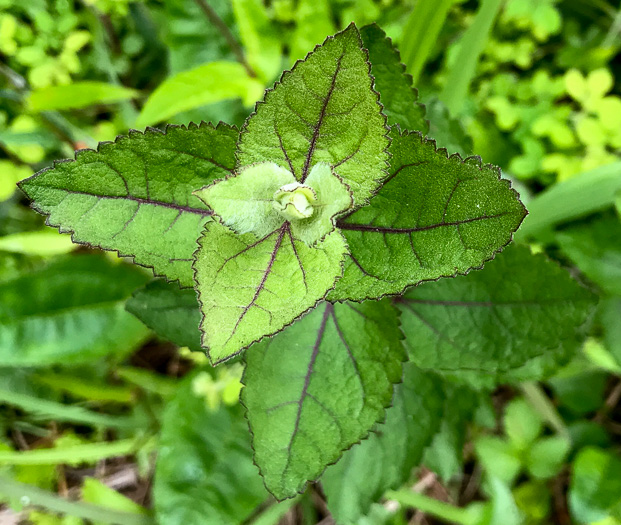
(322, 328)
(322, 114)
(349, 352)
(295, 252)
(381, 229)
(261, 286)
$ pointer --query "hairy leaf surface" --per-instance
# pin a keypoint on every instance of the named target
(386, 458)
(70, 311)
(250, 287)
(134, 195)
(518, 318)
(170, 312)
(397, 95)
(318, 387)
(323, 110)
(204, 467)
(435, 216)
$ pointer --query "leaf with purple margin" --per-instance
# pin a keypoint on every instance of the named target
(323, 110)
(134, 195)
(318, 387)
(249, 288)
(435, 216)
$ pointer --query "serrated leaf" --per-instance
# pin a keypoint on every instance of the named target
(197, 87)
(485, 328)
(397, 95)
(323, 110)
(70, 311)
(77, 95)
(317, 388)
(170, 312)
(204, 466)
(134, 195)
(386, 458)
(249, 288)
(435, 216)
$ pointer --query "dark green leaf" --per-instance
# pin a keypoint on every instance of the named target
(386, 458)
(323, 110)
(170, 312)
(487, 327)
(435, 216)
(134, 195)
(68, 312)
(397, 94)
(318, 387)
(204, 469)
(595, 247)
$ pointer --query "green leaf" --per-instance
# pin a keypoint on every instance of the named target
(474, 327)
(522, 423)
(435, 216)
(498, 458)
(204, 467)
(326, 381)
(197, 87)
(397, 95)
(43, 242)
(77, 95)
(70, 311)
(386, 458)
(261, 197)
(545, 458)
(250, 287)
(595, 247)
(609, 315)
(314, 22)
(170, 312)
(134, 195)
(323, 110)
(595, 489)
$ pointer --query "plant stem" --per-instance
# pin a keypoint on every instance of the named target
(438, 509)
(29, 495)
(219, 24)
(421, 33)
(471, 46)
(542, 404)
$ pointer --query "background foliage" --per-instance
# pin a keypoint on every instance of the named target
(89, 396)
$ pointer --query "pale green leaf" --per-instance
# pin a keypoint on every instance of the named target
(134, 195)
(318, 387)
(314, 23)
(323, 110)
(97, 492)
(170, 312)
(43, 242)
(259, 38)
(435, 216)
(386, 458)
(77, 95)
(262, 196)
(204, 467)
(250, 287)
(197, 87)
(397, 95)
(70, 311)
(484, 328)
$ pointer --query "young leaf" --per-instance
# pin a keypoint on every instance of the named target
(68, 312)
(486, 328)
(170, 312)
(326, 381)
(397, 95)
(77, 95)
(134, 195)
(250, 288)
(204, 467)
(386, 458)
(435, 216)
(323, 110)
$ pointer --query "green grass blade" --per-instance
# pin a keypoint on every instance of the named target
(421, 32)
(470, 48)
(48, 500)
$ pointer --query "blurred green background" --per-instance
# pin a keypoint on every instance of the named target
(88, 395)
